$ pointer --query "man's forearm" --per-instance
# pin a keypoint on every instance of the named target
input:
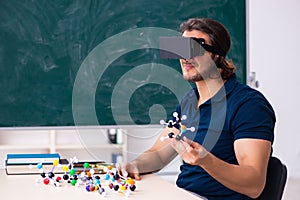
(153, 161)
(148, 162)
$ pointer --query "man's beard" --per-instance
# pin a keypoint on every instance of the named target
(211, 73)
(195, 78)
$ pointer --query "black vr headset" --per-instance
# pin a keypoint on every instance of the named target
(184, 47)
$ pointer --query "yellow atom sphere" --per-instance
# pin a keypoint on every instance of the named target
(130, 181)
(183, 127)
(65, 168)
(55, 162)
(123, 187)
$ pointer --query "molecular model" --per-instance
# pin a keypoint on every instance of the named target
(87, 178)
(49, 177)
(176, 123)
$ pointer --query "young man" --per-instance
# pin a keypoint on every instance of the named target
(226, 157)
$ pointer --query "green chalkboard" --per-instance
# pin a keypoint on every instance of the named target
(96, 62)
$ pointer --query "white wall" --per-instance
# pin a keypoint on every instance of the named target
(274, 44)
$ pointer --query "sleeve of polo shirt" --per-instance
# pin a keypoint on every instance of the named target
(255, 118)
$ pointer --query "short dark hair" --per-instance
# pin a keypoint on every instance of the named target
(219, 37)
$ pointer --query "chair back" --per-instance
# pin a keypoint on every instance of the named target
(276, 180)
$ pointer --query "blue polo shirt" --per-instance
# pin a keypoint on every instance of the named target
(236, 111)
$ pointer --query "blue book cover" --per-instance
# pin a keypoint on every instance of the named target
(31, 158)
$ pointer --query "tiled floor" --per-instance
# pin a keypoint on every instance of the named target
(292, 189)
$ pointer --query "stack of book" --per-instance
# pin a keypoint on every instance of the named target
(27, 163)
(99, 167)
(19, 164)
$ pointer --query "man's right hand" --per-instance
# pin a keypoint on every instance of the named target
(130, 170)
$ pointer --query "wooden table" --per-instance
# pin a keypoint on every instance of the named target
(151, 187)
